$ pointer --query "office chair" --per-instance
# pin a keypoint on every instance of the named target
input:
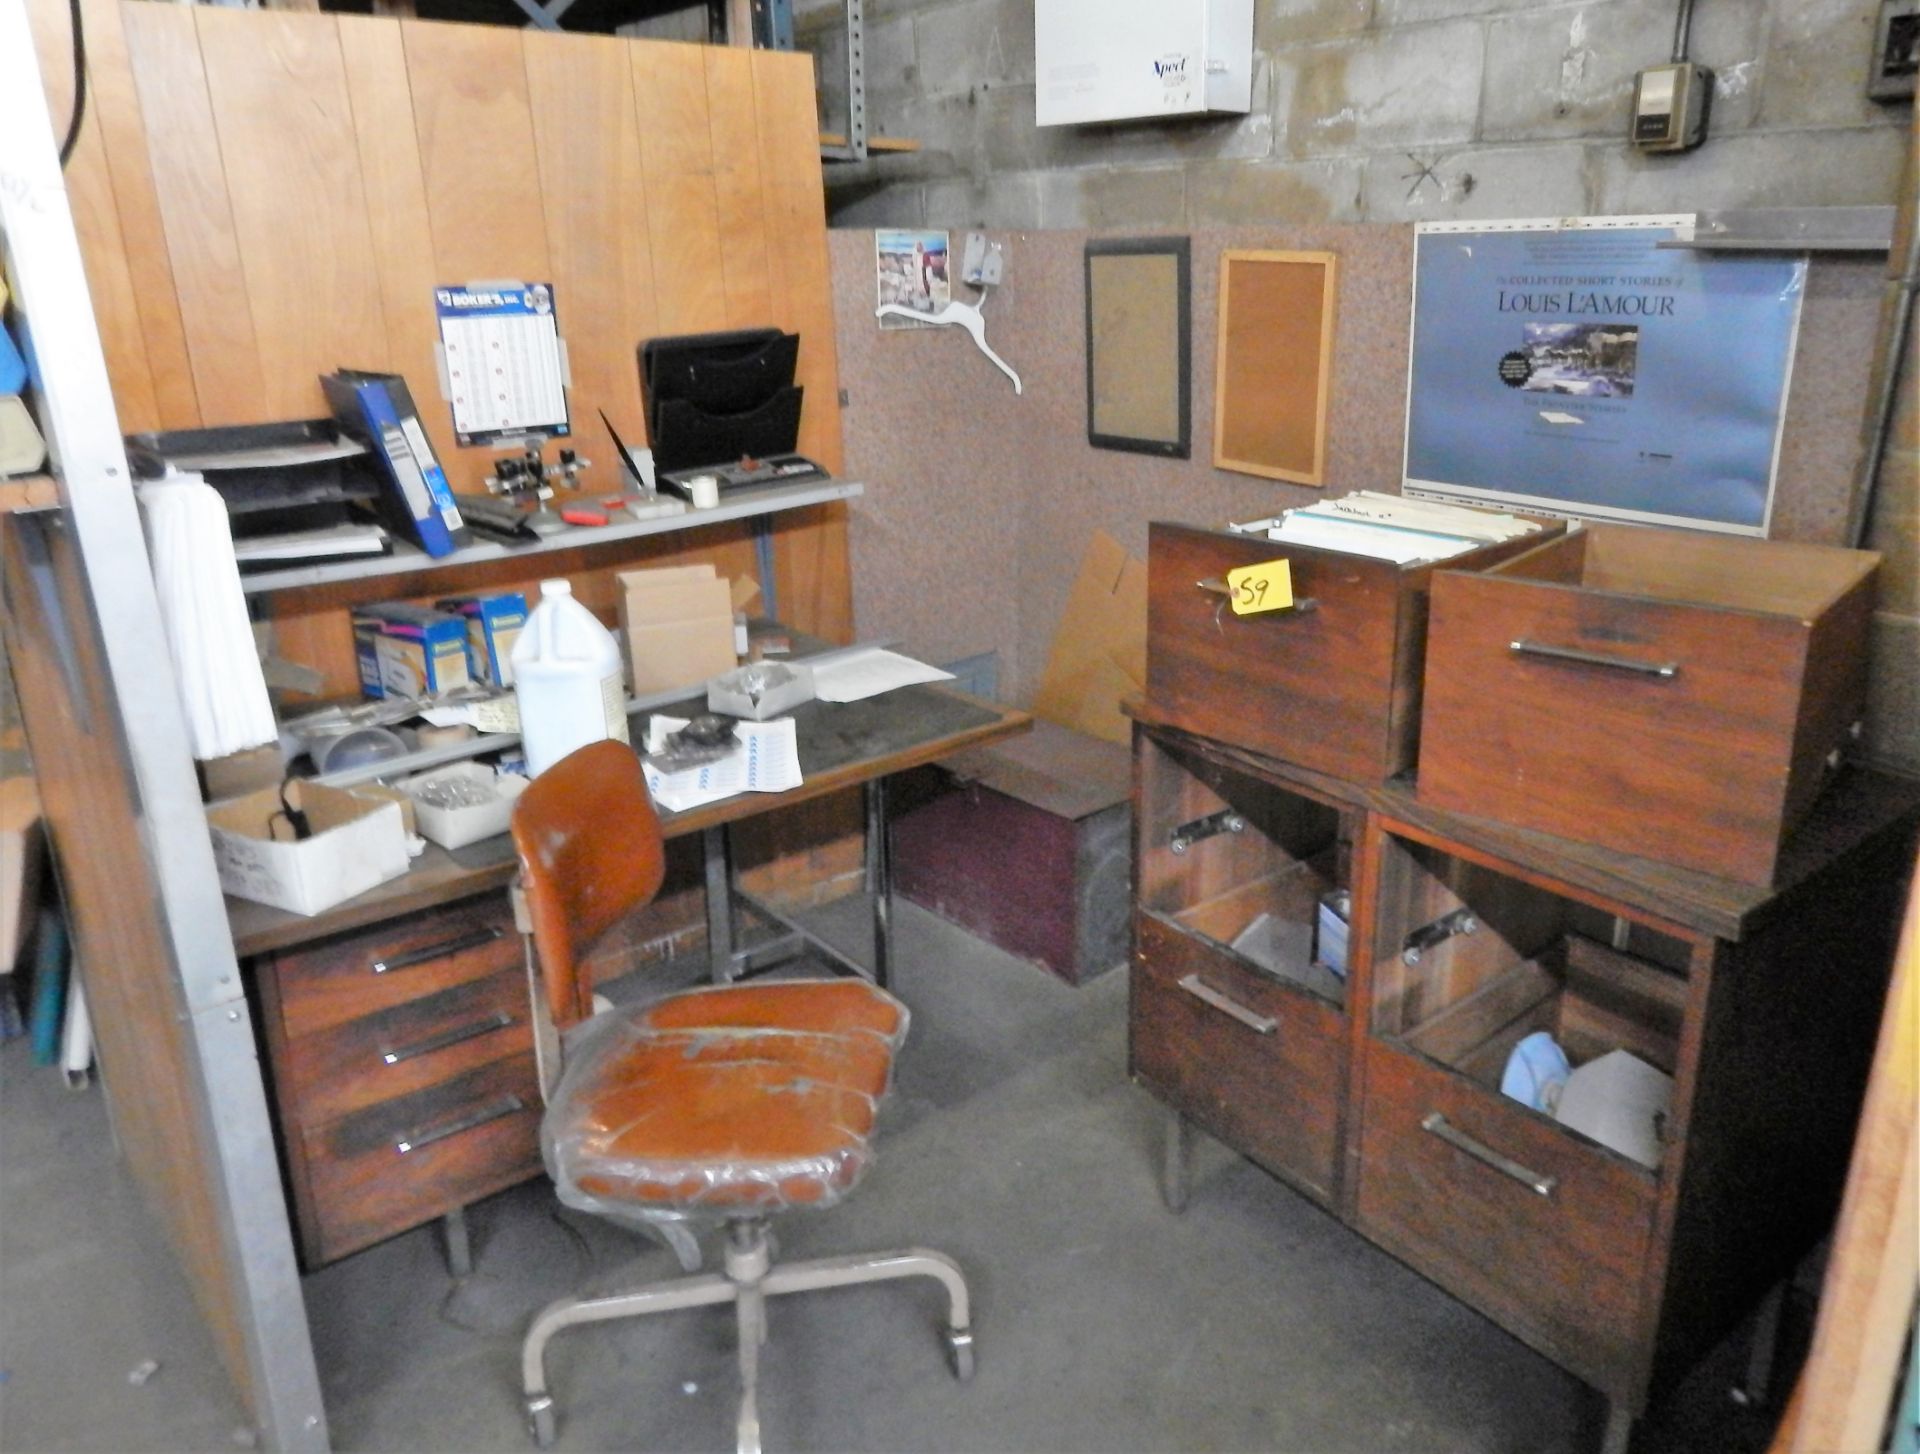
(728, 1105)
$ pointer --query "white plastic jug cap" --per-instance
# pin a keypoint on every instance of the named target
(556, 588)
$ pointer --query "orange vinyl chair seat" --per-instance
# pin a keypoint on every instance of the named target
(731, 1101)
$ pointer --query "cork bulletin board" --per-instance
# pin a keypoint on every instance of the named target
(1274, 362)
(1139, 345)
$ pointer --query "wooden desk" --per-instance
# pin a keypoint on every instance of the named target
(399, 1050)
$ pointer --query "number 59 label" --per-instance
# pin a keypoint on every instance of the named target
(1256, 588)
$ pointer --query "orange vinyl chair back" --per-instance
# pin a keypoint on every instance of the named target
(590, 854)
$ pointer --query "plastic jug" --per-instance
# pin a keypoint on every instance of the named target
(567, 679)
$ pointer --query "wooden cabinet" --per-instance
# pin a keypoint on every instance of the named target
(402, 1065)
(1379, 1094)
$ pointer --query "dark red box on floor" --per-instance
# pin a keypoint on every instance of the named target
(1027, 846)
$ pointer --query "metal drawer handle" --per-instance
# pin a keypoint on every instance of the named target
(1665, 670)
(1217, 586)
(505, 1106)
(472, 939)
(1506, 1166)
(1208, 995)
(498, 1020)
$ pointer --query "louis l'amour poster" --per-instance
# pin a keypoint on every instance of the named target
(1577, 367)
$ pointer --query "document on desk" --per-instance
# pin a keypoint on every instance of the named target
(766, 761)
(855, 675)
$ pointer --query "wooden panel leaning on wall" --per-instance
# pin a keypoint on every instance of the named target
(266, 196)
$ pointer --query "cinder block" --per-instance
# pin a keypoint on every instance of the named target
(1134, 197)
(1383, 89)
(1229, 194)
(896, 206)
(1832, 168)
(1816, 66)
(1568, 72)
(1009, 203)
(1403, 12)
(980, 42)
(1282, 22)
(1893, 692)
(1509, 181)
(892, 74)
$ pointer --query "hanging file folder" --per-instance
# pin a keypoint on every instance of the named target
(377, 410)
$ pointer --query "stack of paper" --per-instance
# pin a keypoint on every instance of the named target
(204, 615)
(328, 543)
(766, 761)
(852, 676)
(1388, 527)
(1429, 515)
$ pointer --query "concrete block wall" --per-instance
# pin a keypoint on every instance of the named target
(1367, 110)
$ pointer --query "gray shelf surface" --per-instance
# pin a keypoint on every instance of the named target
(408, 560)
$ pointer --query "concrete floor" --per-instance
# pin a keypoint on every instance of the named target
(1014, 1142)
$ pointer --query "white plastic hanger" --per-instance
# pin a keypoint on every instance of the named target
(961, 315)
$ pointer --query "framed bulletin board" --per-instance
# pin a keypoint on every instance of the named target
(1139, 345)
(1275, 357)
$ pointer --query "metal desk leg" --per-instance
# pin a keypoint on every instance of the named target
(718, 848)
(880, 882)
(459, 1246)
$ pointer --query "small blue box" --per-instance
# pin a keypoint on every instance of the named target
(493, 625)
(409, 651)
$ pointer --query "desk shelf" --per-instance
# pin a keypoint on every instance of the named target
(409, 560)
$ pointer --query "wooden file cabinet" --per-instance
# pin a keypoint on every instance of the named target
(1380, 1096)
(403, 1070)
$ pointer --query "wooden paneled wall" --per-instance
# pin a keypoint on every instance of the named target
(263, 196)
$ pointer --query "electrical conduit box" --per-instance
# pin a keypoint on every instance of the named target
(1099, 61)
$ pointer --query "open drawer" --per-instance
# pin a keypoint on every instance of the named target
(1519, 1119)
(1257, 869)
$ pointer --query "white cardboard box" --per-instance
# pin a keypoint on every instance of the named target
(457, 827)
(793, 688)
(357, 842)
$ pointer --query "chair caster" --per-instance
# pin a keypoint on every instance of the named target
(540, 1420)
(959, 1343)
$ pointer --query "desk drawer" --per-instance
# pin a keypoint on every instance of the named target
(402, 1162)
(1252, 1061)
(330, 1073)
(1562, 1269)
(1324, 687)
(1661, 695)
(355, 975)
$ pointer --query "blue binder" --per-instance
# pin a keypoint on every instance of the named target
(377, 410)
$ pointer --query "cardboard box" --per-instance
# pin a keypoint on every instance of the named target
(456, 827)
(1099, 652)
(357, 842)
(409, 651)
(677, 625)
(239, 773)
(493, 625)
(791, 686)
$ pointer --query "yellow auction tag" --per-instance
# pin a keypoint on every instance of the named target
(1256, 588)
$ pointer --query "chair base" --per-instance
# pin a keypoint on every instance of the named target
(749, 1280)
